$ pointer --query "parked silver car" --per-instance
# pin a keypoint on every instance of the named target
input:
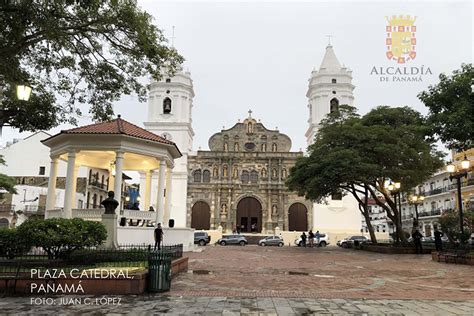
(271, 241)
(232, 240)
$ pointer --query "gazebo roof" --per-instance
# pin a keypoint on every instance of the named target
(117, 126)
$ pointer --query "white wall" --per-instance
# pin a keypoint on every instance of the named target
(337, 216)
(145, 235)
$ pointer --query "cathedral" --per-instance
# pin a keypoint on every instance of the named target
(240, 181)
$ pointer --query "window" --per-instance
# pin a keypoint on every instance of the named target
(168, 80)
(206, 176)
(42, 170)
(254, 176)
(334, 81)
(334, 105)
(90, 176)
(249, 146)
(167, 105)
(88, 199)
(245, 176)
(102, 181)
(94, 201)
(197, 176)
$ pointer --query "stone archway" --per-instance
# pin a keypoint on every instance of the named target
(249, 215)
(4, 223)
(298, 217)
(201, 216)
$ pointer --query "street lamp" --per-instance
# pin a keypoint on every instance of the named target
(394, 189)
(23, 92)
(416, 200)
(457, 173)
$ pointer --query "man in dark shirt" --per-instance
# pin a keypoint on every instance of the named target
(416, 235)
(158, 236)
(438, 241)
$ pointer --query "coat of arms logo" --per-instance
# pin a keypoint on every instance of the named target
(401, 41)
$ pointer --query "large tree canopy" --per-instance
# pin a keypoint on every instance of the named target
(451, 108)
(75, 52)
(360, 154)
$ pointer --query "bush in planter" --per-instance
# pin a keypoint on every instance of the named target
(60, 236)
(450, 226)
(13, 244)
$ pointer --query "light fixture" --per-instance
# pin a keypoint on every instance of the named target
(414, 198)
(391, 187)
(465, 163)
(451, 168)
(127, 198)
(397, 185)
(138, 199)
(112, 168)
(23, 92)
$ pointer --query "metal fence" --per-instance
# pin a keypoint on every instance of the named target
(87, 258)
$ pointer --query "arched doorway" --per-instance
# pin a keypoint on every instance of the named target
(4, 223)
(249, 215)
(298, 217)
(201, 216)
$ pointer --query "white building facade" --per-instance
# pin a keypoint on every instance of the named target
(328, 88)
(170, 116)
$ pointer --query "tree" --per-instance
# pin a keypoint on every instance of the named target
(450, 225)
(360, 155)
(75, 52)
(7, 183)
(451, 109)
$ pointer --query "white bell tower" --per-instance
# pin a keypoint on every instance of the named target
(327, 89)
(170, 116)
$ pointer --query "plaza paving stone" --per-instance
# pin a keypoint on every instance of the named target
(325, 281)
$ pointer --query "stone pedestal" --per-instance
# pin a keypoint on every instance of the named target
(110, 223)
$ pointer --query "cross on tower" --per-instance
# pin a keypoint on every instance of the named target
(329, 39)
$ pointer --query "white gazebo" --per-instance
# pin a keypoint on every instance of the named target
(117, 146)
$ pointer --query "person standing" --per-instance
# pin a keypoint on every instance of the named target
(438, 241)
(158, 236)
(303, 239)
(311, 238)
(416, 235)
(317, 235)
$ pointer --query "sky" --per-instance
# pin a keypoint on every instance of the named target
(259, 55)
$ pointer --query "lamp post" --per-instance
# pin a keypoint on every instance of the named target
(23, 93)
(416, 200)
(457, 173)
(394, 189)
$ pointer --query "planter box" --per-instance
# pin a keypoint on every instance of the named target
(135, 284)
(442, 258)
(391, 249)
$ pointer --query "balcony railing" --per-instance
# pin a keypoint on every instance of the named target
(34, 209)
(7, 208)
(97, 184)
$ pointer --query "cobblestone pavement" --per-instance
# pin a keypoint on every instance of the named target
(330, 272)
(254, 280)
(176, 305)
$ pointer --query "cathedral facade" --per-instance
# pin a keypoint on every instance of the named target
(240, 182)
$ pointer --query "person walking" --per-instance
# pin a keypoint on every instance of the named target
(416, 235)
(311, 238)
(438, 241)
(158, 236)
(303, 239)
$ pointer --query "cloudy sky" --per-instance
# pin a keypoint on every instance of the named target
(259, 55)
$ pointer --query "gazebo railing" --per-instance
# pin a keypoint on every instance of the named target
(96, 214)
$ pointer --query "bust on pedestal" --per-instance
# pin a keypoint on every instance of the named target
(109, 219)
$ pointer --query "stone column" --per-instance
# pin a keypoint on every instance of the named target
(169, 177)
(74, 187)
(53, 174)
(147, 193)
(69, 194)
(160, 207)
(118, 178)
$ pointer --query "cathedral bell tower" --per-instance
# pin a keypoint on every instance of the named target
(170, 116)
(327, 89)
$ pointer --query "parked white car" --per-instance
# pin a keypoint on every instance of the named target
(323, 241)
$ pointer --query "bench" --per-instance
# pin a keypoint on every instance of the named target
(459, 256)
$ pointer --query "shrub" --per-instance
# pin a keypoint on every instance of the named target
(60, 236)
(450, 226)
(13, 244)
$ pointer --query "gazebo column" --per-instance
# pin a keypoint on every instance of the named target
(118, 178)
(147, 193)
(160, 206)
(169, 176)
(69, 194)
(53, 174)
(74, 187)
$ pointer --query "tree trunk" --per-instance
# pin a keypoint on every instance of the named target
(370, 227)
